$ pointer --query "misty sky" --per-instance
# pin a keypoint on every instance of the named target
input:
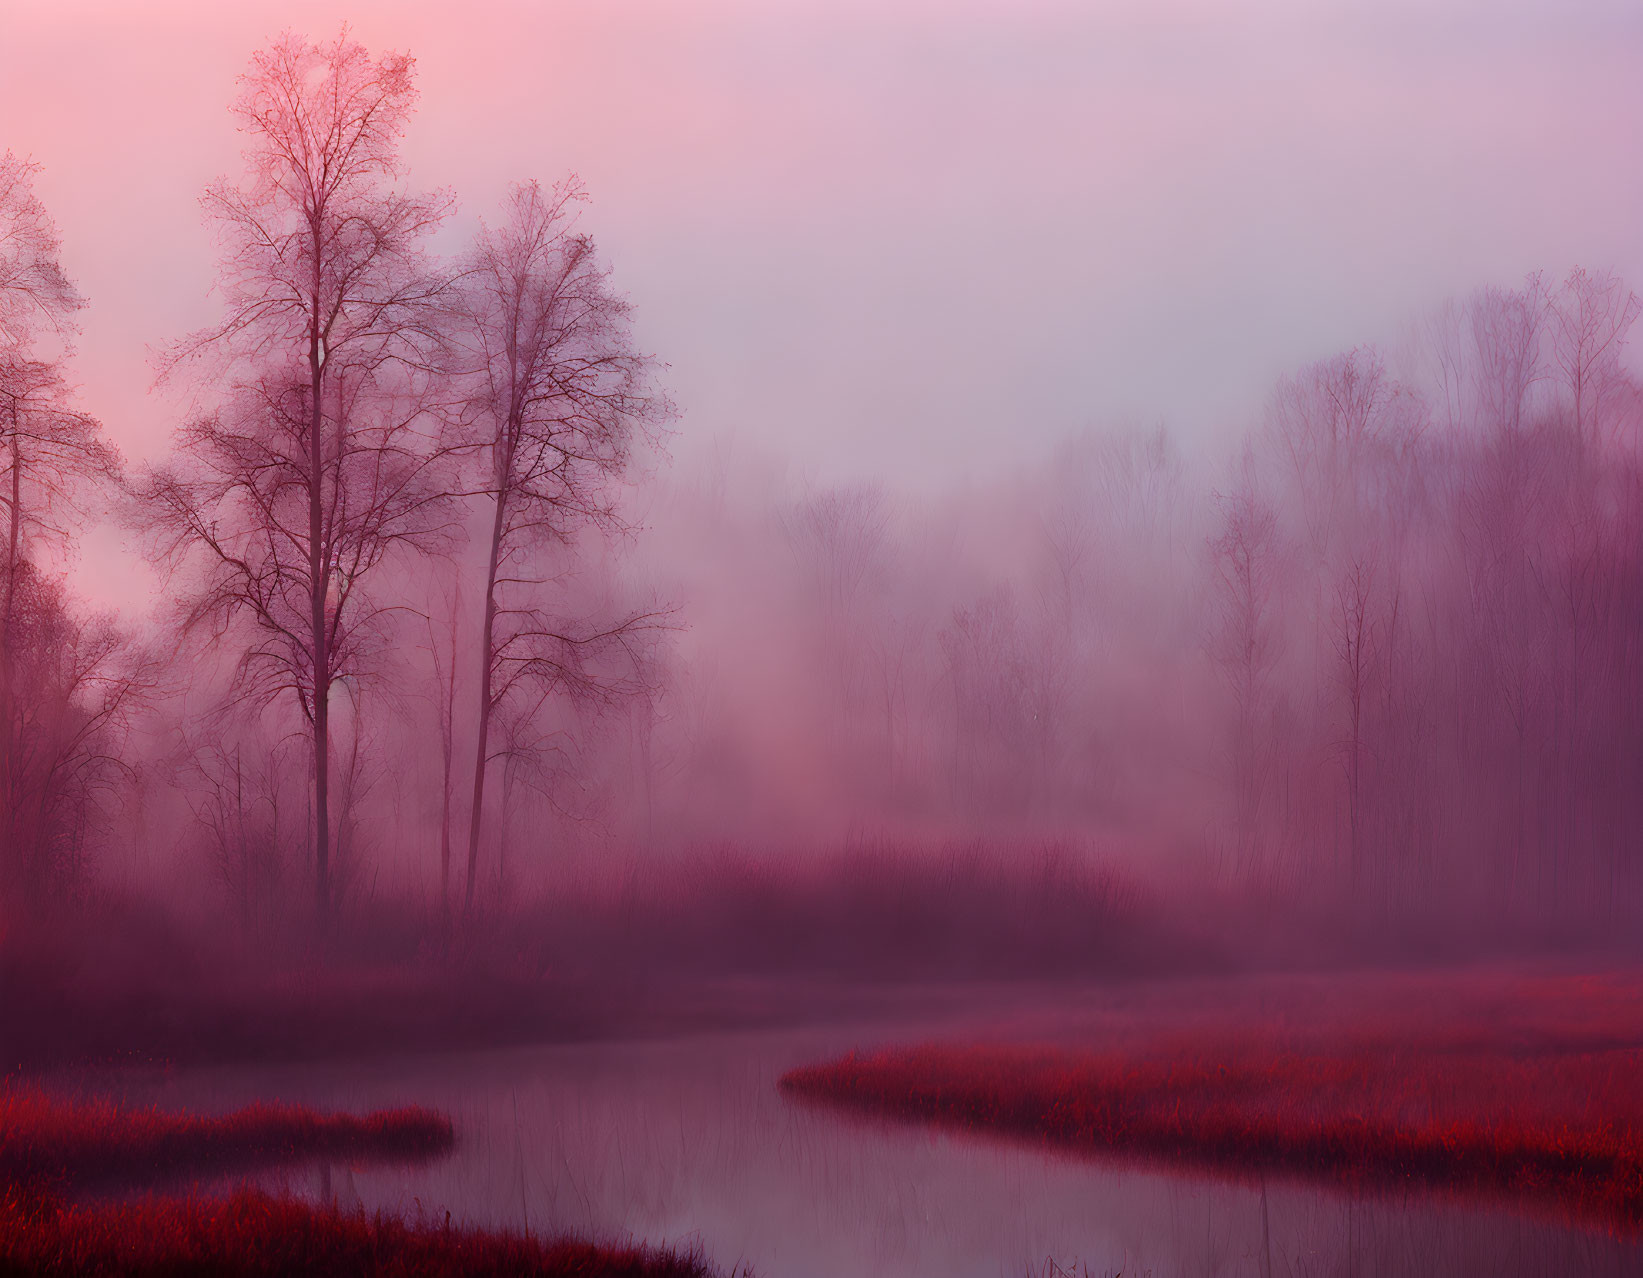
(912, 241)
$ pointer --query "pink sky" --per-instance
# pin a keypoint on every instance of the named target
(907, 241)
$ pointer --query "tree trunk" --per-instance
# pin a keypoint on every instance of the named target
(244, 841)
(486, 633)
(447, 750)
(14, 540)
(9, 745)
(318, 578)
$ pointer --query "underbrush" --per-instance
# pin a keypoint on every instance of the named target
(252, 1234)
(710, 939)
(1564, 1130)
(124, 996)
(602, 951)
(866, 912)
(876, 912)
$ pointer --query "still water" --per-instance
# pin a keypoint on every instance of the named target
(688, 1142)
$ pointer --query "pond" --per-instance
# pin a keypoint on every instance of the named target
(688, 1141)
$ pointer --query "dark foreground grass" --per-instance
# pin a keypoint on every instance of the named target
(252, 1233)
(96, 1143)
(1559, 1131)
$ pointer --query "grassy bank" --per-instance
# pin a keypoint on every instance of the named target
(1555, 1128)
(96, 1143)
(253, 1234)
(56, 1154)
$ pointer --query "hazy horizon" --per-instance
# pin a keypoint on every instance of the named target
(884, 248)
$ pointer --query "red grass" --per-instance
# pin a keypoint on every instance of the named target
(1561, 1129)
(48, 1141)
(43, 1137)
(254, 1234)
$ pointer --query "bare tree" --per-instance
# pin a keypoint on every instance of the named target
(1451, 353)
(64, 690)
(1357, 638)
(316, 467)
(1331, 422)
(1590, 317)
(73, 688)
(360, 771)
(1508, 326)
(55, 456)
(838, 537)
(1245, 554)
(237, 792)
(48, 445)
(557, 396)
(35, 294)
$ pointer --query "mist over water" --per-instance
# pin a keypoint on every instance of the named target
(688, 1140)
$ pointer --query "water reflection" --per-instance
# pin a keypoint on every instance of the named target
(689, 1141)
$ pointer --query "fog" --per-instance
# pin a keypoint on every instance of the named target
(991, 351)
(591, 521)
(888, 247)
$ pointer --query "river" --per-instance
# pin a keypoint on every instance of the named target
(688, 1141)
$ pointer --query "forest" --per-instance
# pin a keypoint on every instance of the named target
(441, 631)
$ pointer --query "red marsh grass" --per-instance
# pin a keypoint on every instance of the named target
(52, 1149)
(1558, 1130)
(99, 1143)
(252, 1233)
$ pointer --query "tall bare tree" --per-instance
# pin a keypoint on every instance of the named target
(64, 686)
(1590, 317)
(50, 447)
(315, 467)
(558, 396)
(55, 456)
(35, 293)
(1508, 329)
